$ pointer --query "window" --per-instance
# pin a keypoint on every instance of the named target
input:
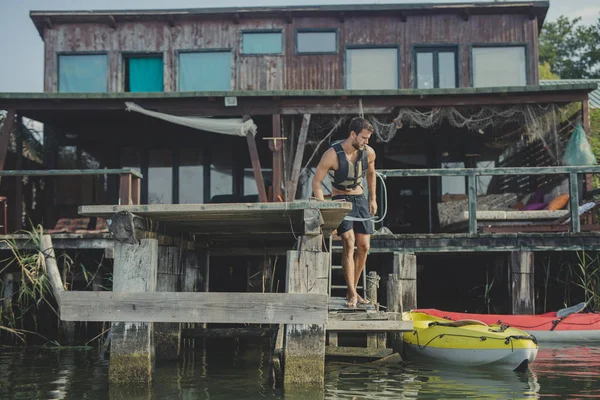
(316, 42)
(436, 68)
(143, 73)
(205, 71)
(191, 176)
(82, 73)
(262, 43)
(160, 177)
(499, 66)
(374, 68)
(221, 171)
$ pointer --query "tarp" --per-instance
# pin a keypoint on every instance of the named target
(230, 126)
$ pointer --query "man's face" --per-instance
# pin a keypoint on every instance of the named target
(361, 139)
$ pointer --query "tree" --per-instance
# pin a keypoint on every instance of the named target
(572, 50)
(546, 72)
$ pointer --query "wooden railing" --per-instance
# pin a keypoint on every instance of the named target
(472, 173)
(129, 188)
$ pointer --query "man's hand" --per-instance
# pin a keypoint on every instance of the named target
(372, 207)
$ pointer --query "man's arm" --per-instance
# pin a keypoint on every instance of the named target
(372, 182)
(324, 166)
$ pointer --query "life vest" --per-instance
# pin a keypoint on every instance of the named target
(348, 175)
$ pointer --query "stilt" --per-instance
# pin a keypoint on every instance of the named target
(166, 335)
(135, 270)
(304, 348)
(7, 292)
(522, 282)
(402, 284)
(192, 282)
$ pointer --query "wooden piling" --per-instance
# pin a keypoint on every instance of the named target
(7, 291)
(307, 272)
(372, 288)
(167, 335)
(522, 282)
(405, 269)
(132, 347)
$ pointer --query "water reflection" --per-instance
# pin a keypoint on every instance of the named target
(409, 381)
(232, 369)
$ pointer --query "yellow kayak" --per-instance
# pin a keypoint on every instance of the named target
(467, 343)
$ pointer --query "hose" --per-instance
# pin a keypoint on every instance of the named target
(383, 203)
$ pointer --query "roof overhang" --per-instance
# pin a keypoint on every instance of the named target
(49, 106)
(534, 9)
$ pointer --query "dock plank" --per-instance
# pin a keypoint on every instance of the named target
(370, 326)
(251, 308)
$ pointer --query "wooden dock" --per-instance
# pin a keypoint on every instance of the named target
(161, 275)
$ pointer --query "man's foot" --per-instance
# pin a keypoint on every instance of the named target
(359, 299)
(362, 301)
(351, 302)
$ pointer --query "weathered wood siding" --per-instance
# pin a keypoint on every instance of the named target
(288, 71)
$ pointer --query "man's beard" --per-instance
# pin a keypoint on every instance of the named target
(357, 146)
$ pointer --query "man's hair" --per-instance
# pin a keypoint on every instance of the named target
(358, 124)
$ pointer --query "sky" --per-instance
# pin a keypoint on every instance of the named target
(21, 48)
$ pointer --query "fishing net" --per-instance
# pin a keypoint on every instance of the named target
(500, 125)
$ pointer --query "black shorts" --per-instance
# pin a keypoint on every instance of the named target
(360, 209)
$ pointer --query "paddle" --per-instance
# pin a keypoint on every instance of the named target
(565, 312)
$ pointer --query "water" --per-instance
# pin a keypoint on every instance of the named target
(231, 370)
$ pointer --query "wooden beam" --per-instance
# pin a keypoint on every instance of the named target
(574, 202)
(196, 307)
(304, 351)
(136, 187)
(258, 176)
(52, 269)
(125, 187)
(18, 203)
(393, 173)
(70, 172)
(370, 326)
(7, 128)
(472, 199)
(522, 282)
(297, 167)
(461, 242)
(587, 126)
(277, 148)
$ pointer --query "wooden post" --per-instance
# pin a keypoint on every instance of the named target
(7, 292)
(394, 294)
(50, 162)
(405, 268)
(18, 203)
(574, 202)
(277, 157)
(304, 349)
(522, 282)
(192, 282)
(472, 195)
(7, 128)
(372, 287)
(297, 166)
(376, 339)
(52, 268)
(125, 190)
(132, 344)
(136, 187)
(587, 126)
(258, 176)
(167, 335)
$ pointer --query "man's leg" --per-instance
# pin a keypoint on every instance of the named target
(363, 244)
(348, 266)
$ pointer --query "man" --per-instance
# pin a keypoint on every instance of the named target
(347, 162)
